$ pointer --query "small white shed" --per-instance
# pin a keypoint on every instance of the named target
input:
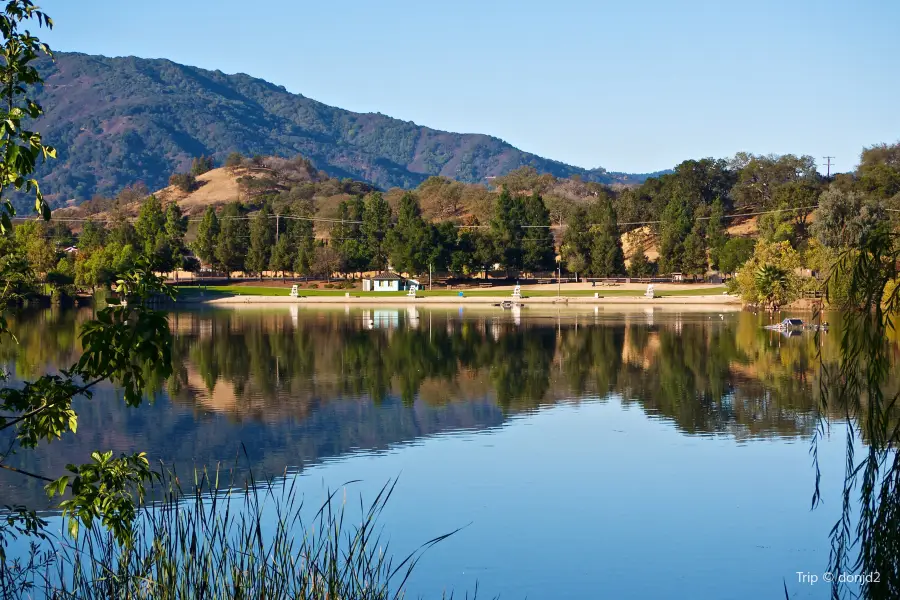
(384, 282)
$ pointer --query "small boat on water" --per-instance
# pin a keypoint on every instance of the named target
(796, 325)
(786, 325)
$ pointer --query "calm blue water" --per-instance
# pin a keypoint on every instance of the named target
(615, 455)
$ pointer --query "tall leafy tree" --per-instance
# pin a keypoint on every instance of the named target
(538, 249)
(716, 233)
(506, 229)
(304, 235)
(694, 260)
(640, 265)
(843, 219)
(675, 226)
(347, 236)
(607, 257)
(262, 239)
(93, 235)
(175, 230)
(576, 243)
(233, 238)
(409, 240)
(208, 237)
(375, 226)
(150, 228)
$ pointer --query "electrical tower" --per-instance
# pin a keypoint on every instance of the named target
(828, 158)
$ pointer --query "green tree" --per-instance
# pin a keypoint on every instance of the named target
(33, 238)
(93, 235)
(233, 238)
(150, 228)
(304, 235)
(843, 219)
(694, 258)
(640, 265)
(576, 243)
(607, 257)
(201, 165)
(735, 253)
(716, 233)
(538, 249)
(347, 237)
(376, 223)
(675, 226)
(262, 239)
(506, 229)
(409, 240)
(175, 230)
(208, 237)
(777, 257)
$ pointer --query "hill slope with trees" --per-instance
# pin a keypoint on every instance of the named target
(120, 120)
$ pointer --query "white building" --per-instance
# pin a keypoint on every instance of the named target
(386, 282)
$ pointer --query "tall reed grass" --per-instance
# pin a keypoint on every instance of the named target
(225, 542)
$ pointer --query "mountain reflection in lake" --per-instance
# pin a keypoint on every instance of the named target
(295, 387)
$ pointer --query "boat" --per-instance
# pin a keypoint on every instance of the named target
(786, 325)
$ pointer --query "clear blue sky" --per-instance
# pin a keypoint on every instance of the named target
(631, 85)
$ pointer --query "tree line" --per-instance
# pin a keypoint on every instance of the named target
(529, 224)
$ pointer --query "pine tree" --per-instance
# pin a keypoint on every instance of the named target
(694, 258)
(208, 237)
(673, 230)
(538, 249)
(640, 265)
(506, 230)
(262, 239)
(576, 243)
(151, 226)
(233, 238)
(607, 258)
(409, 241)
(175, 228)
(376, 224)
(304, 235)
(716, 234)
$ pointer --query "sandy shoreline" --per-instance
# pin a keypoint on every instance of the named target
(714, 302)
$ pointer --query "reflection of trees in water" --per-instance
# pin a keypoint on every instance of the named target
(707, 375)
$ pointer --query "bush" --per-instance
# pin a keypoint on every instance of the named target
(185, 182)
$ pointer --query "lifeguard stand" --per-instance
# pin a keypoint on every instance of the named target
(650, 294)
(295, 291)
(517, 292)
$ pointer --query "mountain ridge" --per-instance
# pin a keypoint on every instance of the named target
(117, 120)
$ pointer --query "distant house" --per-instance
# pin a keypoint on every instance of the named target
(386, 282)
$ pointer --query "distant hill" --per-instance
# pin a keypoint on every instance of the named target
(120, 120)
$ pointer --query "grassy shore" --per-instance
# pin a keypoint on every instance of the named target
(605, 292)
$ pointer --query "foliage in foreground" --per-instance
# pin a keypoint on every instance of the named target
(867, 537)
(222, 542)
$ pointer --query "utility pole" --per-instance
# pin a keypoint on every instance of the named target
(828, 159)
(277, 226)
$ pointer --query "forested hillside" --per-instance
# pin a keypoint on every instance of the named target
(116, 121)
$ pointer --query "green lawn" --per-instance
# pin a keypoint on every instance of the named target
(605, 292)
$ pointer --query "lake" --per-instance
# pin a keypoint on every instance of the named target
(586, 453)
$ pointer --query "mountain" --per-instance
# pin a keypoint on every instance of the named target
(116, 121)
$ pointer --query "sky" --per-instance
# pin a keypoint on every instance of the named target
(633, 86)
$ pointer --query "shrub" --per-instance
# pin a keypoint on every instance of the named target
(185, 182)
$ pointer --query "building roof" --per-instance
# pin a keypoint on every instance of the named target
(387, 277)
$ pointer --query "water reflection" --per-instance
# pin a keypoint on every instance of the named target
(298, 385)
